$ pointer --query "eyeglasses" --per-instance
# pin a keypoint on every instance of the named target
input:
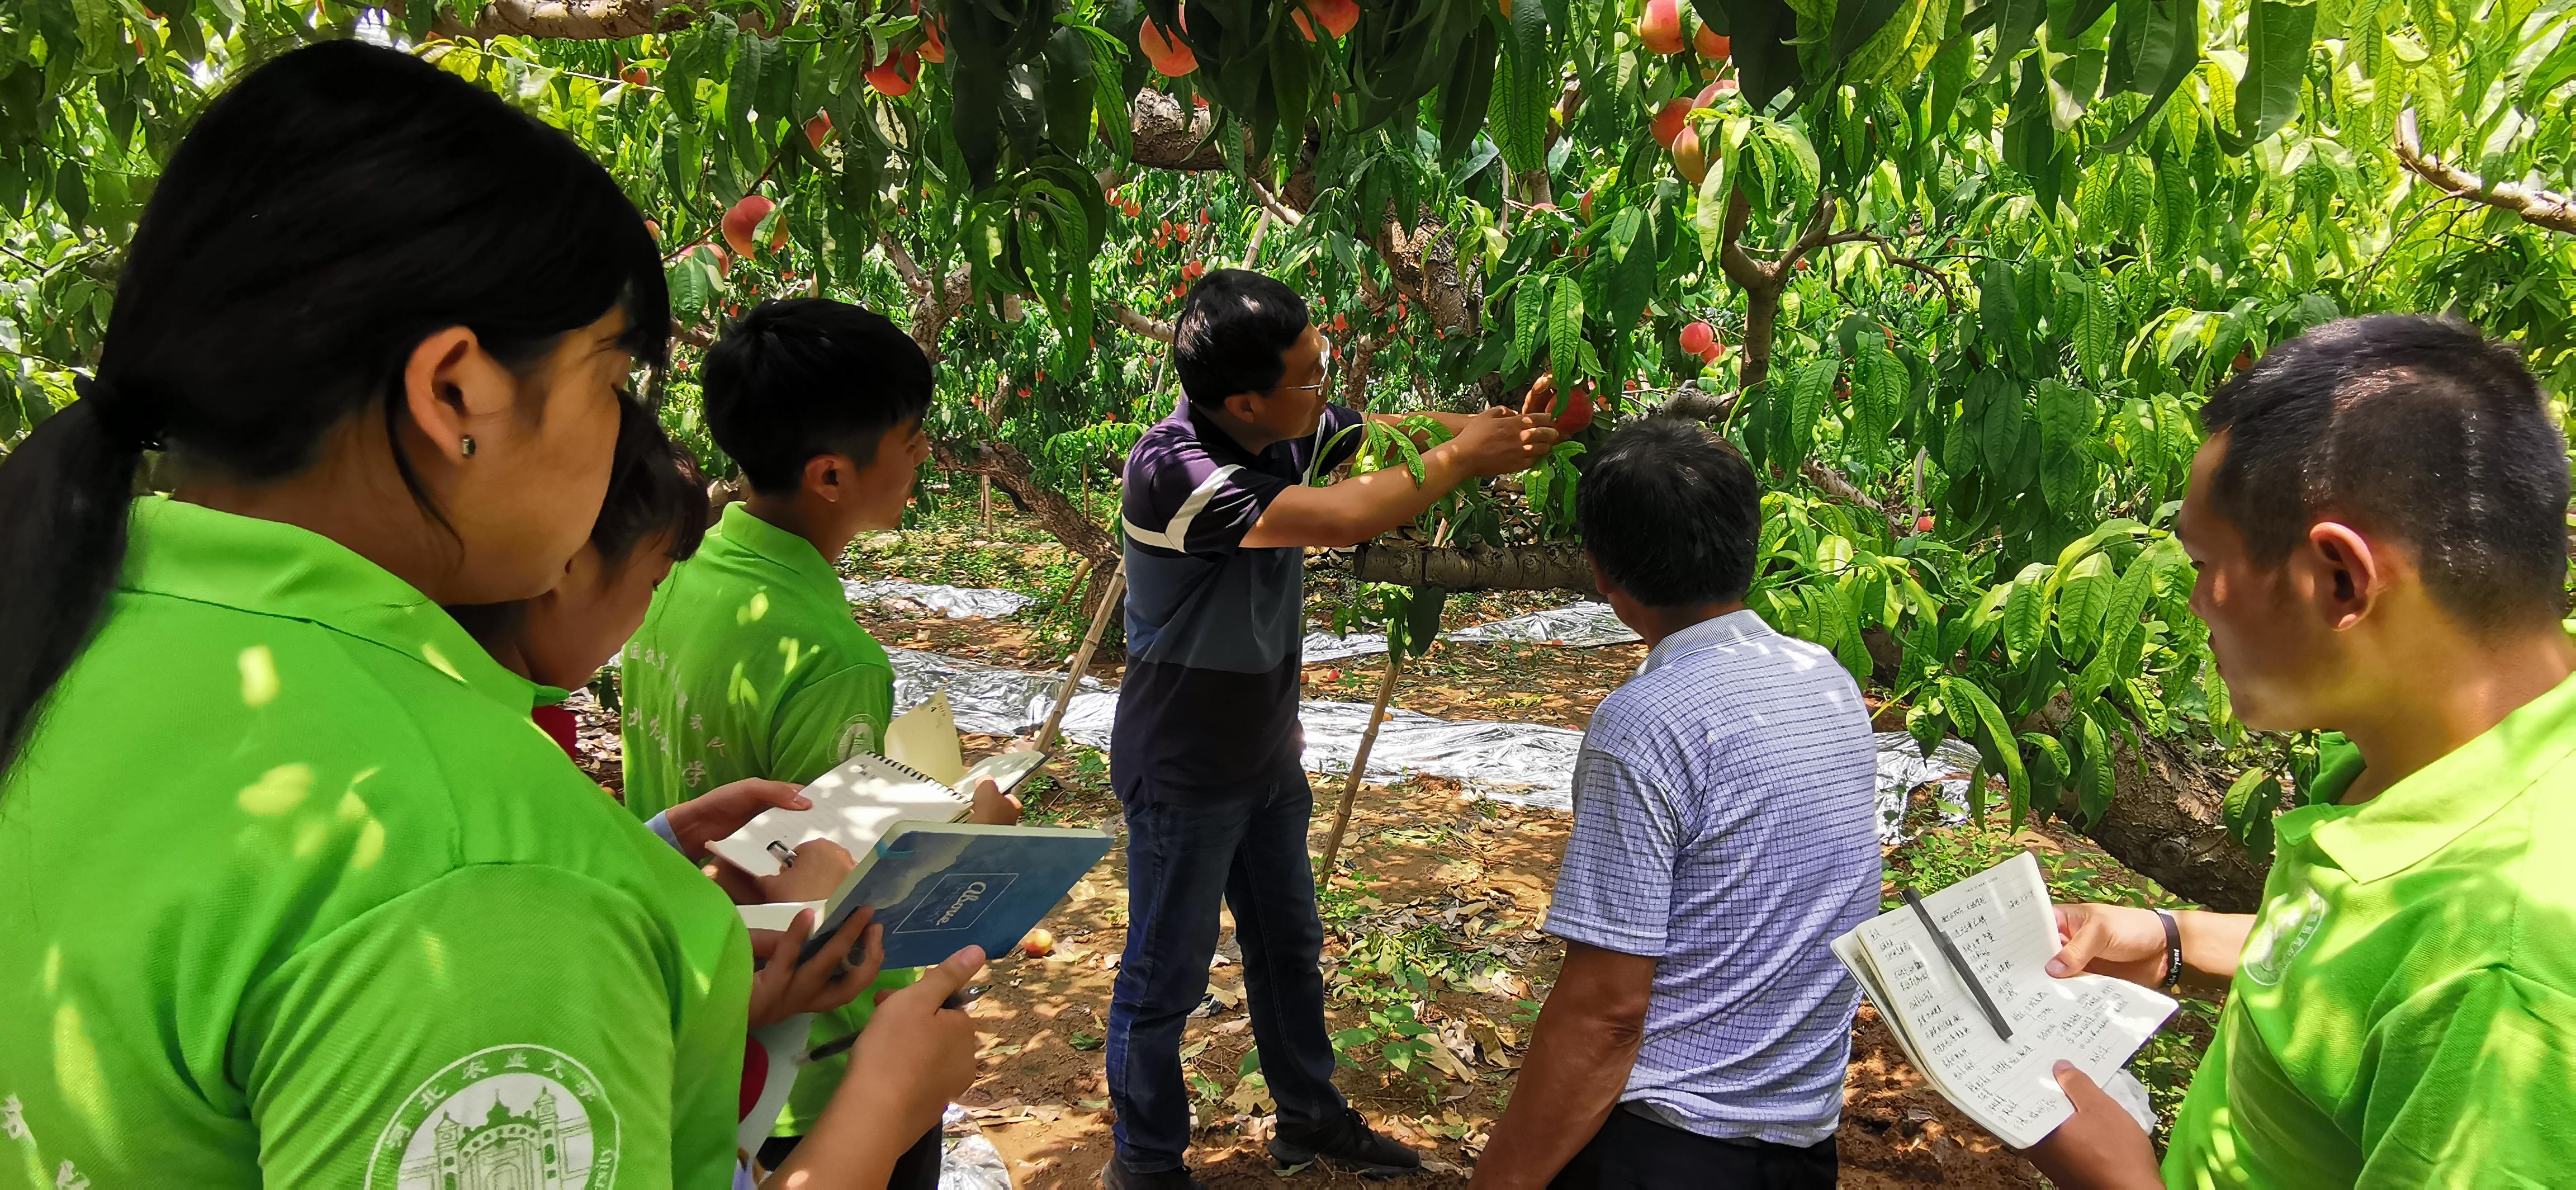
(1324, 382)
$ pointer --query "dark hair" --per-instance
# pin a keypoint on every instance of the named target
(327, 212)
(2416, 427)
(1670, 512)
(653, 488)
(1234, 334)
(807, 376)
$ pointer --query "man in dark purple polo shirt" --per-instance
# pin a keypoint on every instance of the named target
(1219, 506)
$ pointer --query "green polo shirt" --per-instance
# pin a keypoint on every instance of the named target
(295, 894)
(749, 665)
(2404, 1014)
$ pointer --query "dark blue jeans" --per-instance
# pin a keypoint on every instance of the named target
(1246, 845)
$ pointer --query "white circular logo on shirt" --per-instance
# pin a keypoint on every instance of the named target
(2284, 930)
(858, 737)
(512, 1117)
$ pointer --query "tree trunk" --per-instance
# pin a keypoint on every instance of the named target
(2166, 826)
(1058, 516)
(1552, 566)
(1761, 312)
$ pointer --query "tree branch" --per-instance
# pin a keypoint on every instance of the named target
(913, 282)
(2539, 208)
(1888, 250)
(1270, 202)
(578, 20)
(695, 336)
(1836, 485)
(1136, 322)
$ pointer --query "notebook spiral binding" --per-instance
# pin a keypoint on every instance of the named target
(917, 775)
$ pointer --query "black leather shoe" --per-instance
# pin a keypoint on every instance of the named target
(1116, 1176)
(1347, 1143)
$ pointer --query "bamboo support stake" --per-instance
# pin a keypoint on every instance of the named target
(1082, 657)
(1359, 760)
(1253, 253)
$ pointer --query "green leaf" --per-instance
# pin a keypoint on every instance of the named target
(2050, 769)
(2026, 611)
(2081, 598)
(2065, 470)
(691, 288)
(1999, 435)
(71, 192)
(1879, 381)
(2248, 810)
(1565, 331)
(2277, 38)
(2093, 776)
(1983, 725)
(102, 33)
(1808, 398)
(1529, 316)
(2015, 27)
(2097, 335)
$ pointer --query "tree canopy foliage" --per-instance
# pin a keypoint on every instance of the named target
(1968, 266)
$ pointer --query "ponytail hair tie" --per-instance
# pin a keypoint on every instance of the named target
(118, 414)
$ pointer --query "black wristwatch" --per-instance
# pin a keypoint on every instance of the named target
(2173, 951)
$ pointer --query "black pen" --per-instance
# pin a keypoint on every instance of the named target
(1994, 1016)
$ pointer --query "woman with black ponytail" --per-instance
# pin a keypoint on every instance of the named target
(291, 891)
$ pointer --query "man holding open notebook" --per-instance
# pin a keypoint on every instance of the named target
(2378, 521)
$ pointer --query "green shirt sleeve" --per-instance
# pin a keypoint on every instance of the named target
(513, 1008)
(830, 719)
(2474, 1084)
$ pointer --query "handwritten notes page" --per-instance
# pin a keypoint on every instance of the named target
(2003, 924)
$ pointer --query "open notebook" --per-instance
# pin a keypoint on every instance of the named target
(922, 776)
(2003, 925)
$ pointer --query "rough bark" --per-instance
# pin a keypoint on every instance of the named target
(1167, 136)
(1698, 405)
(2166, 825)
(1006, 466)
(2539, 208)
(577, 20)
(1424, 261)
(1550, 566)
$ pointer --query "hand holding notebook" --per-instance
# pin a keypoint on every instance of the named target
(1997, 1066)
(935, 883)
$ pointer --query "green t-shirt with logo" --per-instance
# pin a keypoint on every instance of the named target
(2404, 1014)
(749, 665)
(296, 894)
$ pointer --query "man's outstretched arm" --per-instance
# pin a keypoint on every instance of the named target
(1586, 1041)
(1495, 442)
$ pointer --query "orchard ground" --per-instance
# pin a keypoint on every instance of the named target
(1433, 958)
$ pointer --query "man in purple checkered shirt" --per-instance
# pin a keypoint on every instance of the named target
(1220, 500)
(1725, 832)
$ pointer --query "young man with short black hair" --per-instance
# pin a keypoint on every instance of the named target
(1725, 832)
(1204, 754)
(748, 663)
(2378, 516)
